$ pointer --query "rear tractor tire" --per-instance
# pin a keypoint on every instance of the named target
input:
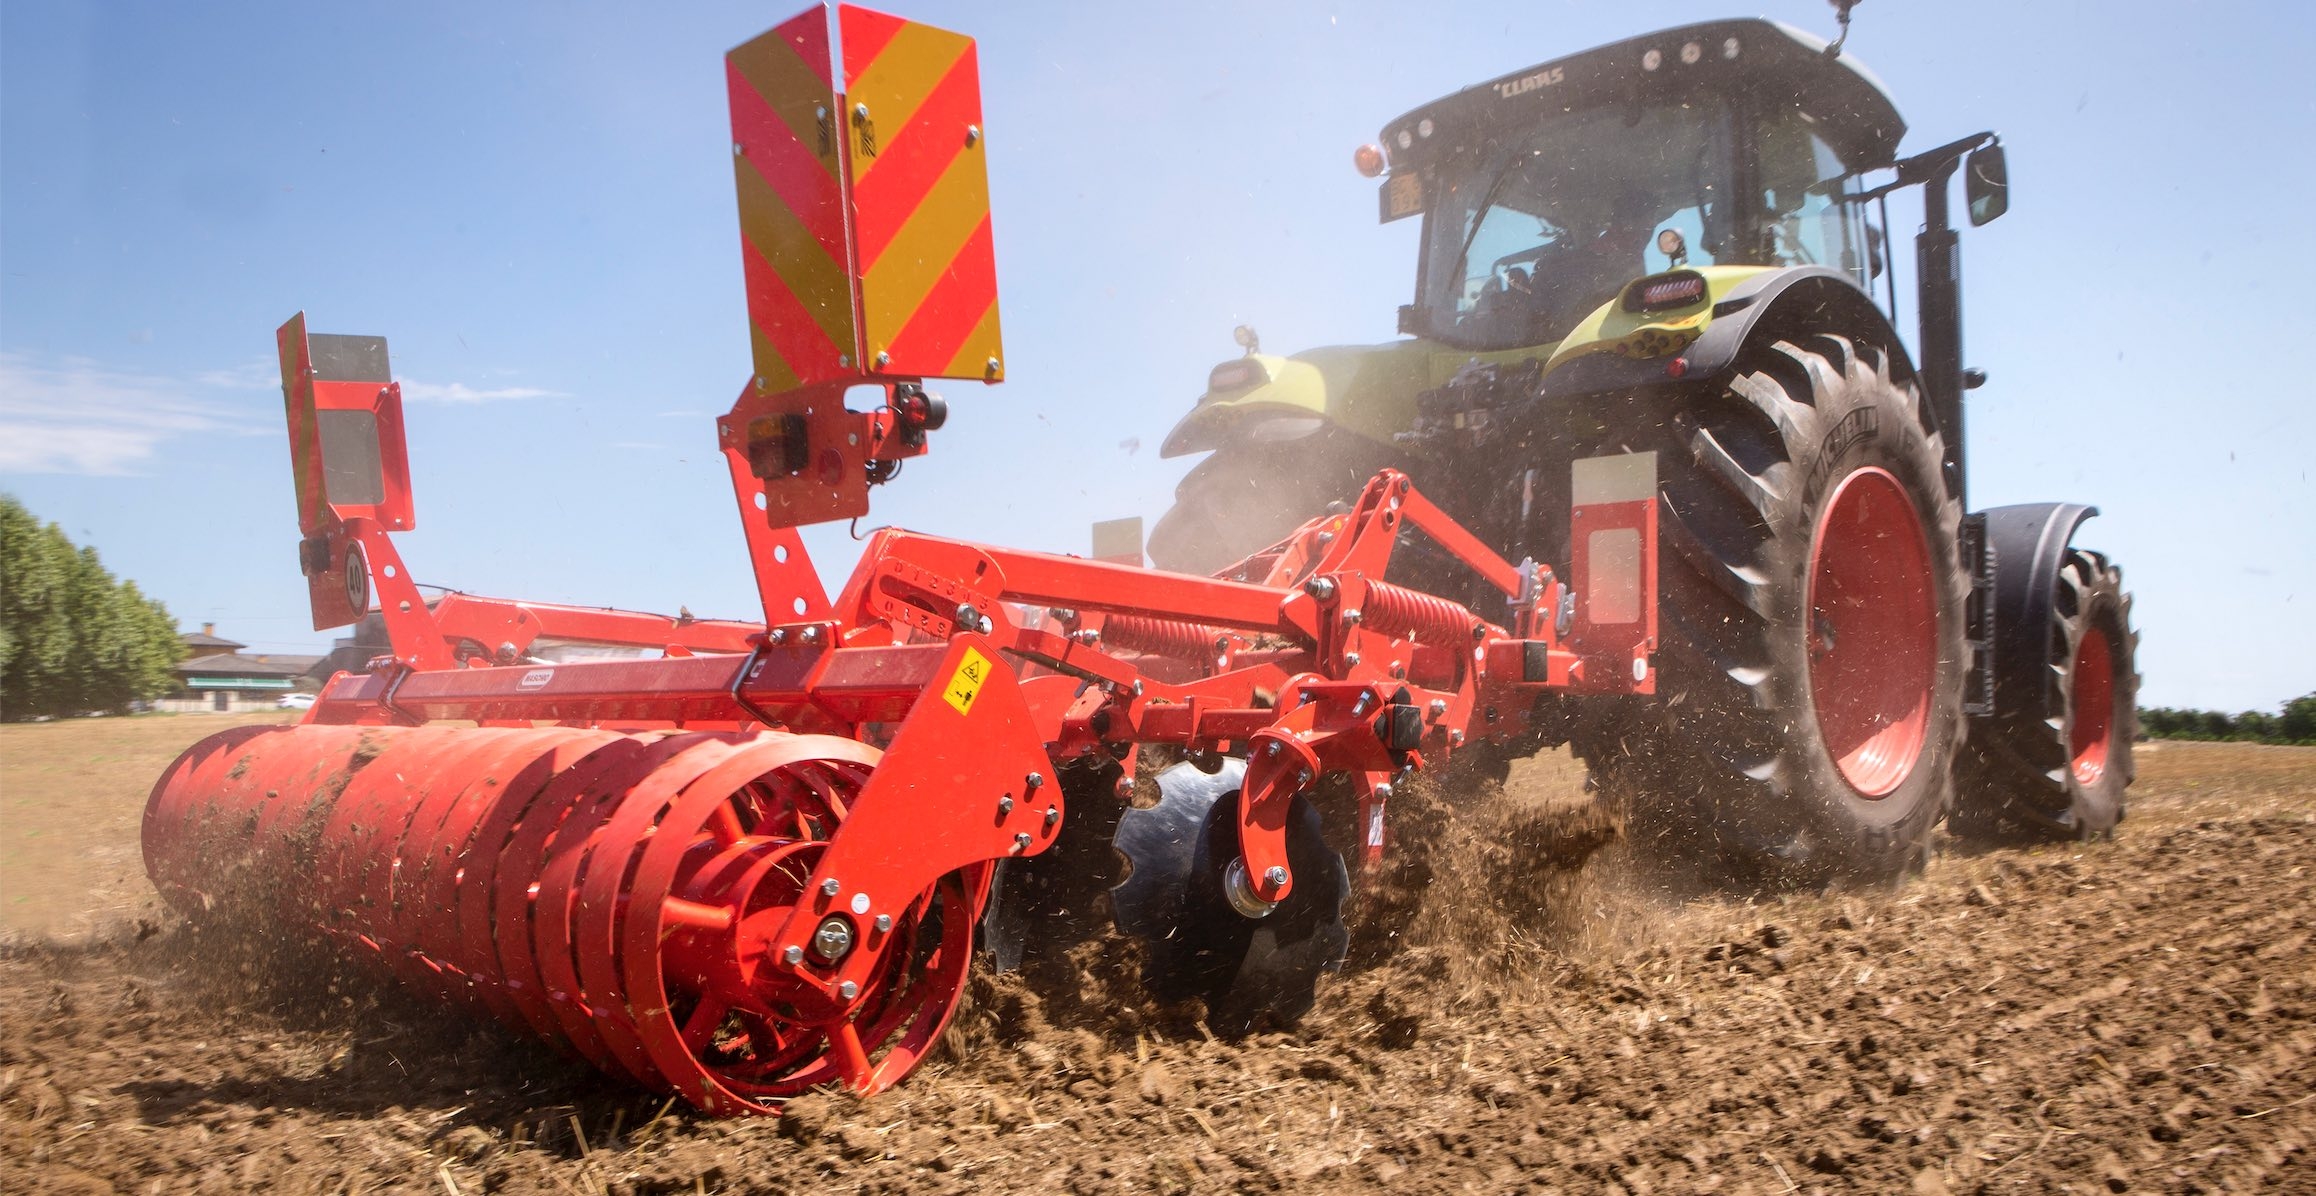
(1808, 712)
(2058, 773)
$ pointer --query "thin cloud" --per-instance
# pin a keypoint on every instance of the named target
(460, 392)
(76, 416)
(73, 415)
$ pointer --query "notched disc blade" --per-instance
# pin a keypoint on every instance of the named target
(1247, 970)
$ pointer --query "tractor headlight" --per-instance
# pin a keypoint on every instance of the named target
(1236, 375)
(1681, 288)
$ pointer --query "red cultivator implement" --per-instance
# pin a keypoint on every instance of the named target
(757, 860)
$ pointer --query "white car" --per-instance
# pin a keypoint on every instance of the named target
(295, 702)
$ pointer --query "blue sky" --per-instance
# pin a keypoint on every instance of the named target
(533, 204)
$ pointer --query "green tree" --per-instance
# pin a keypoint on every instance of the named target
(73, 640)
(2298, 722)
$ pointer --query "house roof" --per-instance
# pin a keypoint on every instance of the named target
(226, 664)
(201, 639)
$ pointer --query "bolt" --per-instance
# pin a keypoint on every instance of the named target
(860, 111)
(848, 990)
(1272, 749)
(1035, 780)
(792, 956)
(884, 923)
(1439, 707)
(1274, 876)
(738, 150)
(986, 625)
(1351, 616)
(1052, 815)
(1382, 791)
(972, 134)
(1350, 660)
(992, 366)
(820, 112)
(833, 940)
(829, 887)
(779, 636)
(1005, 805)
(1479, 632)
(1062, 615)
(1137, 687)
(967, 616)
(1303, 778)
(1021, 842)
(810, 635)
(1359, 707)
(1321, 588)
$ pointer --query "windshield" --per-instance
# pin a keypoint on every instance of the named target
(1527, 237)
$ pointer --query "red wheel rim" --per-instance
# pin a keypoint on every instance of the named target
(2094, 722)
(1873, 631)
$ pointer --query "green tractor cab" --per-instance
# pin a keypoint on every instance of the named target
(1678, 244)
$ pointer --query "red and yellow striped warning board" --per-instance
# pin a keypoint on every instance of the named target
(864, 209)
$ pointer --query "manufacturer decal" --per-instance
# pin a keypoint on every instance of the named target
(1525, 84)
(535, 679)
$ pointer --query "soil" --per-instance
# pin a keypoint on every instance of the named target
(1542, 1015)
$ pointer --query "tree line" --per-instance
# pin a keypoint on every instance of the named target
(2295, 723)
(73, 640)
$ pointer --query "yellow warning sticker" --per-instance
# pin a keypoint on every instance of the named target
(966, 684)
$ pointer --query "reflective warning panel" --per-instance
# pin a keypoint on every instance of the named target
(915, 146)
(864, 201)
(789, 173)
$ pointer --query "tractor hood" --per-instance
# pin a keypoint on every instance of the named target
(1366, 389)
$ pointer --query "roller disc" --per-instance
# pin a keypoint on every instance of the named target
(1248, 970)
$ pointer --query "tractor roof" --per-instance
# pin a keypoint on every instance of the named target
(1749, 56)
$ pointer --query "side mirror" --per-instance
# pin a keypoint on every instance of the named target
(1986, 181)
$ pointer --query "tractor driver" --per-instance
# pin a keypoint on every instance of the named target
(1585, 272)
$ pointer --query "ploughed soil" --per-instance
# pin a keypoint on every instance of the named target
(2138, 1015)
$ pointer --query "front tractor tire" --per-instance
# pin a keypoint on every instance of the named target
(1808, 713)
(2057, 772)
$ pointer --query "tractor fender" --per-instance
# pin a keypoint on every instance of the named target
(2029, 543)
(1813, 297)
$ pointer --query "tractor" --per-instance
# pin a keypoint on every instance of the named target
(1679, 244)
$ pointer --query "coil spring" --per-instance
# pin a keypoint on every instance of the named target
(1161, 637)
(1403, 613)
